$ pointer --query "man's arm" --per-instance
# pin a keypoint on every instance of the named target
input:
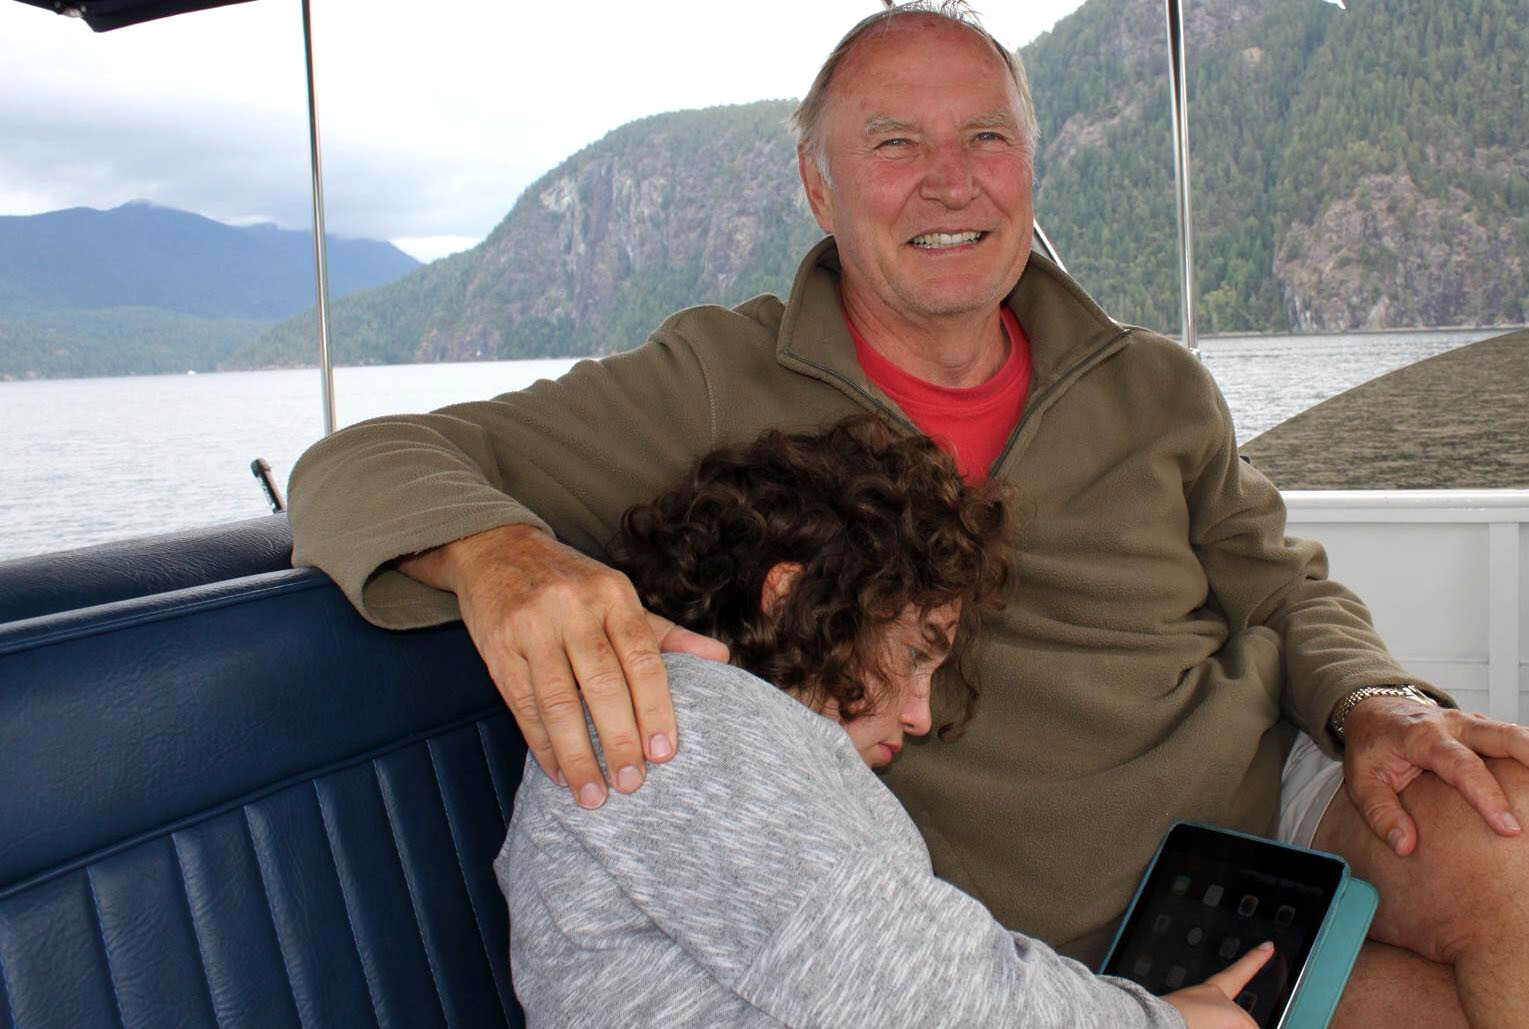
(423, 518)
(1259, 576)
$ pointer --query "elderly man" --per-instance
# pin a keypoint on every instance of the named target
(1163, 637)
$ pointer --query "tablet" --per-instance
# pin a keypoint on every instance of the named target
(1210, 895)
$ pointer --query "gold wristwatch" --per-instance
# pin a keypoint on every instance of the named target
(1348, 703)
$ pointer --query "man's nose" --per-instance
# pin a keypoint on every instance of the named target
(948, 176)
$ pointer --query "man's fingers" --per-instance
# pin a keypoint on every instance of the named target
(1383, 812)
(1460, 766)
(603, 681)
(1234, 977)
(676, 639)
(562, 713)
(633, 635)
(514, 683)
(1492, 738)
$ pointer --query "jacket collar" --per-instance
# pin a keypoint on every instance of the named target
(1061, 321)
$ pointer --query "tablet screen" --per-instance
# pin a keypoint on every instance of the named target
(1210, 898)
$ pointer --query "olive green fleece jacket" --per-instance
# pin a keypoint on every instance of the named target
(1160, 624)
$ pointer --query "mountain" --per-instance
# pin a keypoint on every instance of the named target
(1358, 169)
(144, 255)
(672, 210)
(141, 289)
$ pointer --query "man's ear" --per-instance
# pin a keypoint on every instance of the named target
(816, 188)
(778, 582)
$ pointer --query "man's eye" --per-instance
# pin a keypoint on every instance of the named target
(991, 137)
(895, 141)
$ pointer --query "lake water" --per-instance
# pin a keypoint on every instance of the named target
(89, 460)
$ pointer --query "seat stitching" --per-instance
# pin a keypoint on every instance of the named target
(5, 997)
(419, 926)
(238, 803)
(270, 910)
(111, 974)
(196, 930)
(350, 922)
(472, 905)
(493, 776)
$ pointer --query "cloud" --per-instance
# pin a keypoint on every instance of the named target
(434, 117)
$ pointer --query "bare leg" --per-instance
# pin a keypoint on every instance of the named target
(1396, 988)
(1459, 899)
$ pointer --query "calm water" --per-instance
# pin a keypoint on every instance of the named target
(88, 460)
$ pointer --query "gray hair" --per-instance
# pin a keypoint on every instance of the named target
(804, 120)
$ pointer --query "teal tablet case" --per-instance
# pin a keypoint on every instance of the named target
(1333, 952)
(1332, 957)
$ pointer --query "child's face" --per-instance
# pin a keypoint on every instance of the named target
(912, 649)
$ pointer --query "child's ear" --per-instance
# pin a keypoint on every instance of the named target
(777, 584)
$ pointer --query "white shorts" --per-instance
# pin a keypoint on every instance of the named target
(1308, 784)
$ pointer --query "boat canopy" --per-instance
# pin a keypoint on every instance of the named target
(105, 15)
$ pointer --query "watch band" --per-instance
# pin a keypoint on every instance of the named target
(1347, 704)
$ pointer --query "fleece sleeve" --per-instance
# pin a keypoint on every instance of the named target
(785, 871)
(1260, 576)
(576, 452)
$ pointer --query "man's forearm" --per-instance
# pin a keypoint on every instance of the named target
(441, 567)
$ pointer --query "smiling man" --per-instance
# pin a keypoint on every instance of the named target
(1164, 641)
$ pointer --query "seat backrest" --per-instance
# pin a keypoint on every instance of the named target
(62, 581)
(238, 804)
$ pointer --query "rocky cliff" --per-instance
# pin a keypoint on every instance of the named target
(1356, 169)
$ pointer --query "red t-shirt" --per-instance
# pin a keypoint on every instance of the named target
(972, 425)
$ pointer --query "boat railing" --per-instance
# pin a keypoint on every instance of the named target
(1446, 575)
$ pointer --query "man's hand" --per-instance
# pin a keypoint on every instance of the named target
(1390, 741)
(552, 624)
(1212, 1004)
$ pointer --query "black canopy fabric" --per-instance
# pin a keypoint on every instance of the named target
(105, 15)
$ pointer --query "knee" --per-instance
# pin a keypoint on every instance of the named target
(1474, 879)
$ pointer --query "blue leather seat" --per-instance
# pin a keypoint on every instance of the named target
(32, 586)
(238, 804)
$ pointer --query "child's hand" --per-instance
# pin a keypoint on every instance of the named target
(1211, 1004)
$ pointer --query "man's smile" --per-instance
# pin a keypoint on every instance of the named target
(946, 240)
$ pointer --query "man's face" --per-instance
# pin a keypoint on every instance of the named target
(928, 192)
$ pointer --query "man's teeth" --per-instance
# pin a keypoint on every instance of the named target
(937, 240)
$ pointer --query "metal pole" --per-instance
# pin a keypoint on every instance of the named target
(1179, 85)
(320, 245)
(1046, 247)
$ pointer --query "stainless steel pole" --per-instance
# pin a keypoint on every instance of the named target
(320, 245)
(1179, 86)
(1046, 247)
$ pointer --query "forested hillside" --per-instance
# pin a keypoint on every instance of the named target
(1352, 169)
(677, 209)
(1356, 169)
(142, 288)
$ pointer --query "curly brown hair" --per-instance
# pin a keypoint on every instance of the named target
(879, 521)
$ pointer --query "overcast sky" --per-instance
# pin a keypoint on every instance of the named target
(434, 116)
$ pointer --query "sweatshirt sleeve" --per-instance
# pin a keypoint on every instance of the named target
(573, 453)
(878, 941)
(1260, 576)
(785, 870)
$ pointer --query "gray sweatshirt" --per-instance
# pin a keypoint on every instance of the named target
(766, 877)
